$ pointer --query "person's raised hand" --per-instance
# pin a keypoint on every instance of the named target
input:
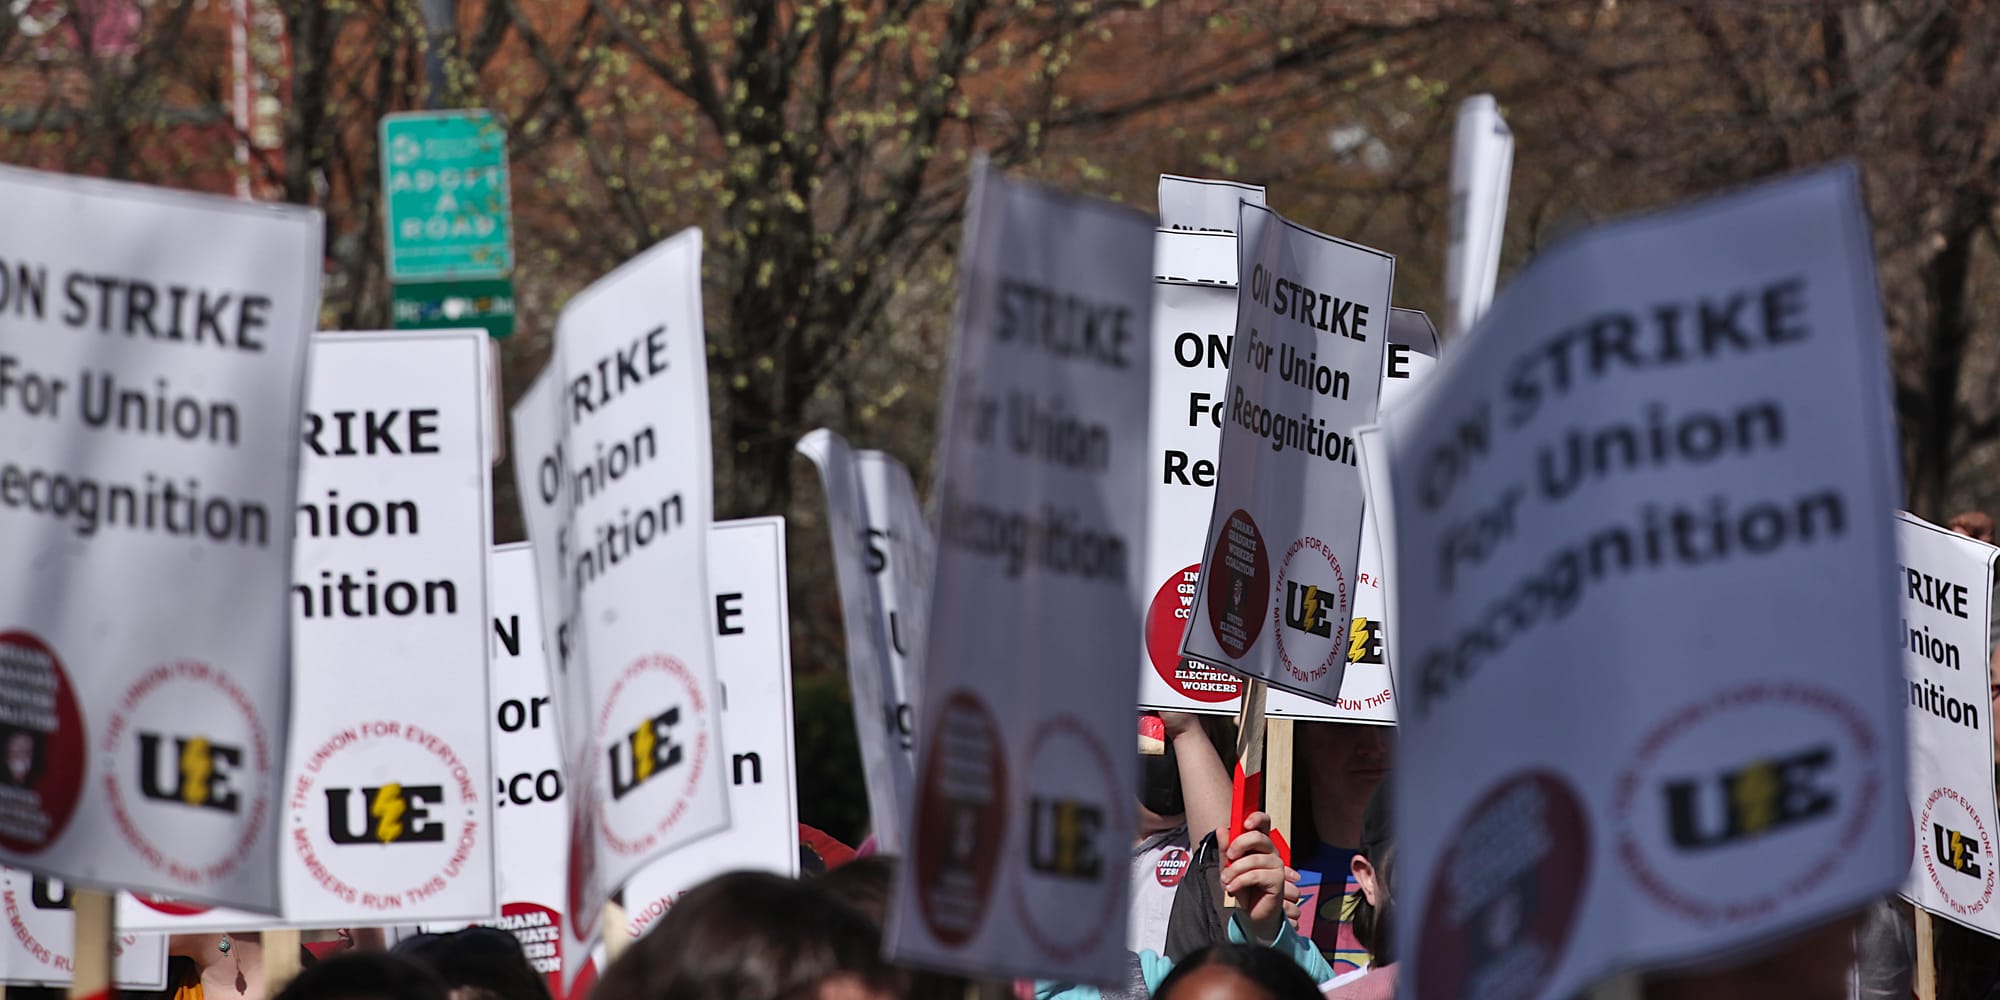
(1178, 723)
(1264, 889)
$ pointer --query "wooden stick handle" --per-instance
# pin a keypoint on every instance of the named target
(91, 956)
(617, 932)
(1926, 971)
(281, 960)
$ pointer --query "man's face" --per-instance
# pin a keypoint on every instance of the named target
(1350, 758)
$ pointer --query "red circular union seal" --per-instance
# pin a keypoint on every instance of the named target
(1314, 604)
(1239, 584)
(1506, 896)
(1166, 624)
(201, 770)
(1067, 908)
(1770, 783)
(41, 731)
(647, 746)
(961, 818)
(1172, 867)
(1957, 851)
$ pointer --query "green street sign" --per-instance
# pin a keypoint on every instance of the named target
(445, 195)
(439, 305)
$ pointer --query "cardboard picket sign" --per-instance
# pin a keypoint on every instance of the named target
(753, 660)
(387, 816)
(1203, 204)
(150, 403)
(612, 458)
(1282, 551)
(882, 551)
(1946, 592)
(1194, 323)
(530, 825)
(1660, 484)
(1367, 693)
(1194, 318)
(1026, 791)
(37, 948)
(1183, 494)
(388, 813)
(1482, 168)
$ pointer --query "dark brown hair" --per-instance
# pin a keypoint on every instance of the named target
(750, 936)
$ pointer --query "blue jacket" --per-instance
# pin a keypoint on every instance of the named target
(1154, 966)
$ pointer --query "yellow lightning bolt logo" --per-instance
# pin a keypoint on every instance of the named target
(1756, 795)
(388, 812)
(1312, 606)
(195, 767)
(1359, 646)
(1958, 850)
(643, 741)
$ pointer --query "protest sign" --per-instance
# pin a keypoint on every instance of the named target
(1025, 783)
(150, 403)
(753, 661)
(882, 562)
(530, 827)
(1192, 309)
(1201, 204)
(388, 811)
(612, 446)
(1367, 693)
(41, 936)
(1482, 167)
(1312, 318)
(1946, 590)
(387, 816)
(1194, 323)
(1660, 484)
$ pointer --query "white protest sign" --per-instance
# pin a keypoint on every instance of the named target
(1654, 710)
(1945, 587)
(152, 368)
(387, 817)
(1194, 323)
(530, 827)
(1026, 792)
(1201, 204)
(1191, 313)
(753, 660)
(1482, 168)
(612, 458)
(1367, 693)
(1194, 319)
(37, 948)
(882, 562)
(1283, 543)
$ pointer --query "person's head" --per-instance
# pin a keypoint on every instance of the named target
(1975, 524)
(1373, 867)
(478, 963)
(865, 884)
(365, 975)
(754, 936)
(1237, 972)
(1340, 766)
